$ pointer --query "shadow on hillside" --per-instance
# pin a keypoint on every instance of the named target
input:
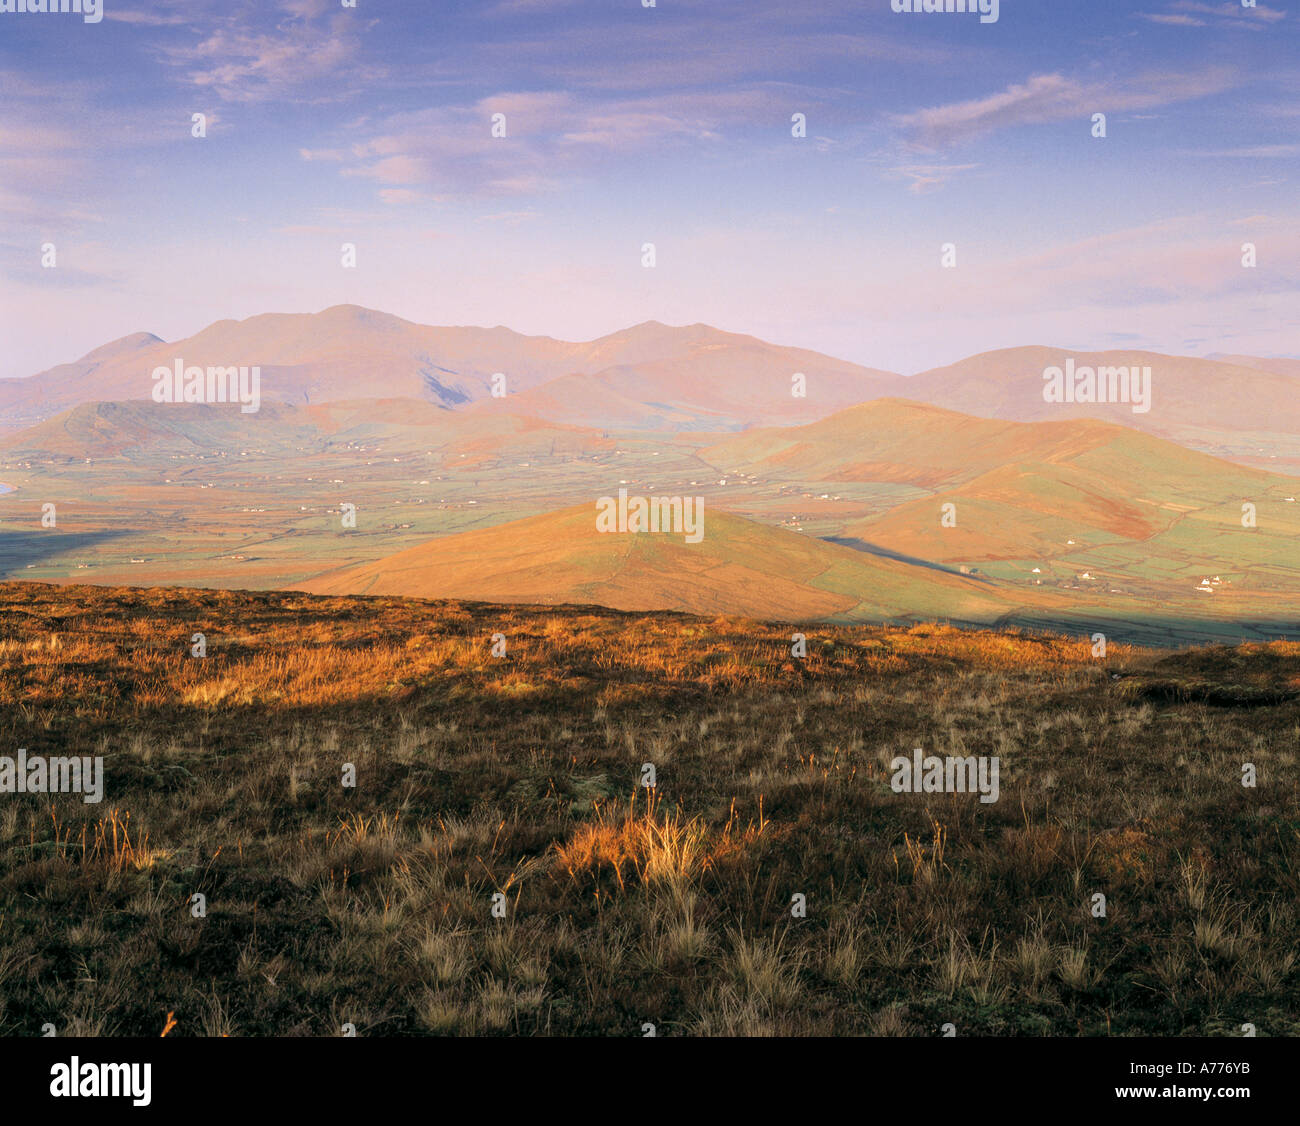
(1156, 630)
(20, 550)
(885, 553)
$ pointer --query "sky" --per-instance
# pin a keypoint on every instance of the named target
(671, 125)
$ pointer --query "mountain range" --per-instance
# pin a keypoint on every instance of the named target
(649, 376)
(653, 377)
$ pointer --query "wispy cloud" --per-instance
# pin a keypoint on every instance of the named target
(930, 177)
(146, 19)
(1172, 20)
(550, 137)
(1197, 13)
(1249, 152)
(396, 196)
(1047, 98)
(301, 54)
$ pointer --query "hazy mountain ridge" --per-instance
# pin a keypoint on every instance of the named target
(1222, 408)
(347, 352)
(655, 377)
(145, 428)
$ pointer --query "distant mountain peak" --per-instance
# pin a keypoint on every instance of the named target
(132, 343)
(362, 315)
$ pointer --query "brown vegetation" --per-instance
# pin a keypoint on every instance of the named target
(519, 776)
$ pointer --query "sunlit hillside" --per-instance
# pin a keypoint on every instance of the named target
(738, 567)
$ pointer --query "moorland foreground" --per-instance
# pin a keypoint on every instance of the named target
(519, 776)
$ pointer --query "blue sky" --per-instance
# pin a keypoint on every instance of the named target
(671, 125)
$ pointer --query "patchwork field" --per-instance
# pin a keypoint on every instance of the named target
(1080, 526)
